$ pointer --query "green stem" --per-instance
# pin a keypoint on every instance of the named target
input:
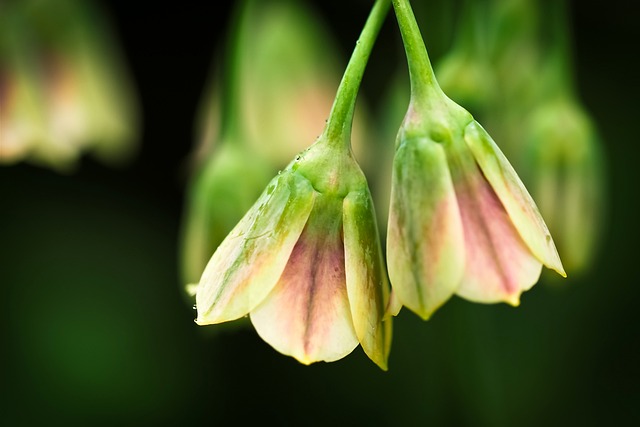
(338, 128)
(423, 79)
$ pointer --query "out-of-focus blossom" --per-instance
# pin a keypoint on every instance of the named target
(75, 71)
(461, 221)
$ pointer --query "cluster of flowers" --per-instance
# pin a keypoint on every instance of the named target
(306, 263)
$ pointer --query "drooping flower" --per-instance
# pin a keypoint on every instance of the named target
(85, 101)
(461, 221)
(305, 262)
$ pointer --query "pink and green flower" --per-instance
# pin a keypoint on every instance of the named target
(461, 221)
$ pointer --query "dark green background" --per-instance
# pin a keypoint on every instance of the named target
(95, 330)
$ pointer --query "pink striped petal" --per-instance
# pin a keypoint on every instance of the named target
(425, 246)
(307, 313)
(367, 284)
(248, 263)
(514, 196)
(499, 265)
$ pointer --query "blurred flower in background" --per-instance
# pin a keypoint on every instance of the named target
(64, 89)
(267, 100)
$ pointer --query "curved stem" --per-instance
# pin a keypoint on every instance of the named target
(338, 128)
(423, 79)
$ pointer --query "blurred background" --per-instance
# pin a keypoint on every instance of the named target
(97, 326)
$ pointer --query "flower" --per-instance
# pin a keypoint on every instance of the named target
(68, 91)
(305, 263)
(461, 221)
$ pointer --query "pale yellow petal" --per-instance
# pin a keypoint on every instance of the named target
(249, 262)
(515, 198)
(499, 266)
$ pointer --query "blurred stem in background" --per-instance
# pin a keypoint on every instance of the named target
(65, 89)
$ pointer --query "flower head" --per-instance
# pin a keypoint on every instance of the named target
(306, 264)
(461, 221)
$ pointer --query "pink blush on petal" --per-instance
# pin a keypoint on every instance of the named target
(307, 314)
(499, 266)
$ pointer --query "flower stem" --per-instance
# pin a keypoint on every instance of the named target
(423, 79)
(338, 128)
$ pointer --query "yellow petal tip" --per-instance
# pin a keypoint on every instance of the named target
(514, 300)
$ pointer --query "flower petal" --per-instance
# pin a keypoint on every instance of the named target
(425, 246)
(367, 283)
(307, 313)
(499, 265)
(514, 196)
(248, 263)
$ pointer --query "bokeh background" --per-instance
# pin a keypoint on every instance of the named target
(96, 328)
